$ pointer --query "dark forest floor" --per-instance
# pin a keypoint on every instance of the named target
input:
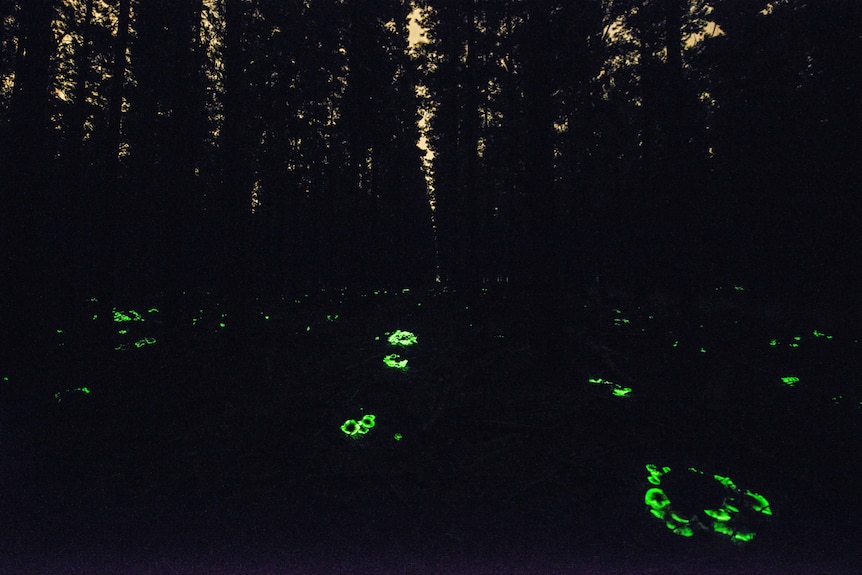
(194, 454)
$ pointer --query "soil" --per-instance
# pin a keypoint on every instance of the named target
(202, 452)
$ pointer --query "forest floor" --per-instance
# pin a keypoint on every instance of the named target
(191, 454)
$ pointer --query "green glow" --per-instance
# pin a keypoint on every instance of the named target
(677, 518)
(130, 315)
(350, 427)
(726, 481)
(394, 361)
(790, 381)
(760, 504)
(125, 317)
(734, 535)
(718, 514)
(616, 389)
(355, 429)
(619, 320)
(721, 519)
(655, 473)
(146, 341)
(796, 341)
(398, 437)
(682, 529)
(656, 499)
(402, 338)
(82, 390)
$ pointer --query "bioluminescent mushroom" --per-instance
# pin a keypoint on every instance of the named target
(357, 428)
(402, 338)
(722, 518)
(617, 390)
(394, 361)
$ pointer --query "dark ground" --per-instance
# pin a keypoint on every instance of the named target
(198, 455)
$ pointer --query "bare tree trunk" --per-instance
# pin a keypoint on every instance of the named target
(26, 215)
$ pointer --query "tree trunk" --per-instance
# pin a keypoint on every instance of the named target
(27, 227)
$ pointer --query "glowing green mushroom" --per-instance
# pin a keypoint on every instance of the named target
(737, 536)
(394, 361)
(742, 536)
(131, 315)
(790, 381)
(761, 505)
(621, 391)
(682, 529)
(146, 341)
(656, 499)
(720, 514)
(82, 390)
(355, 429)
(368, 421)
(722, 518)
(402, 338)
(616, 389)
(677, 518)
(726, 481)
(350, 427)
(655, 473)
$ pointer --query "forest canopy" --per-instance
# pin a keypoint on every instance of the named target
(256, 147)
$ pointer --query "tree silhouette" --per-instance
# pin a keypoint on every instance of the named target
(257, 148)
(780, 131)
(29, 235)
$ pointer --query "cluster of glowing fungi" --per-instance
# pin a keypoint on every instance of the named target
(722, 518)
(357, 428)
